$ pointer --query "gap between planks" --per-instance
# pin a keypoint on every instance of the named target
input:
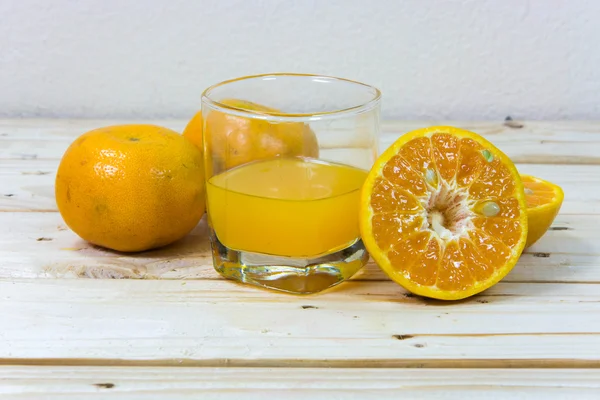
(29, 382)
(530, 363)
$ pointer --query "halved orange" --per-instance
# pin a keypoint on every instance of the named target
(443, 213)
(544, 200)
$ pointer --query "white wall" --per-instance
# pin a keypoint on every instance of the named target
(457, 59)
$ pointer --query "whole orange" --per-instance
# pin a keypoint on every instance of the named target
(193, 130)
(131, 187)
(235, 140)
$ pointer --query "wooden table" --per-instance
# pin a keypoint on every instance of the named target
(156, 336)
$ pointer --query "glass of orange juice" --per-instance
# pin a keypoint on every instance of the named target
(286, 156)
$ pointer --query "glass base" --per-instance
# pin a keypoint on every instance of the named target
(286, 274)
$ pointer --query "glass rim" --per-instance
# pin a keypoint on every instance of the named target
(283, 116)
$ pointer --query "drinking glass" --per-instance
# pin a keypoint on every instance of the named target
(286, 156)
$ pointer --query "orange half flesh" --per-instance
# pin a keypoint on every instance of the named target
(544, 200)
(443, 213)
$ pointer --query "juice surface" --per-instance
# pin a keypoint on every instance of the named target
(296, 207)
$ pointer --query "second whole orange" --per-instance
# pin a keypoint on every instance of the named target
(193, 130)
(235, 140)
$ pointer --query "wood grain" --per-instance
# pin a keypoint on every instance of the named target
(221, 323)
(250, 383)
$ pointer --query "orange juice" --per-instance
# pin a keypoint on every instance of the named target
(295, 207)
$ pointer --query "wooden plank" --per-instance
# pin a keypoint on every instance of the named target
(40, 245)
(580, 183)
(565, 142)
(261, 383)
(35, 245)
(539, 142)
(28, 185)
(544, 314)
(34, 139)
(360, 324)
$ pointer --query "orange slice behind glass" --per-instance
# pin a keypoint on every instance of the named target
(544, 200)
(443, 213)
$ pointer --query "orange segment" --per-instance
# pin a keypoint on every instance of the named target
(388, 229)
(443, 213)
(418, 154)
(389, 198)
(471, 162)
(405, 253)
(453, 274)
(544, 200)
(445, 151)
(495, 250)
(479, 267)
(399, 173)
(495, 180)
(424, 269)
(507, 230)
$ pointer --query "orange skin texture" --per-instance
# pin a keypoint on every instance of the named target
(193, 130)
(131, 187)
